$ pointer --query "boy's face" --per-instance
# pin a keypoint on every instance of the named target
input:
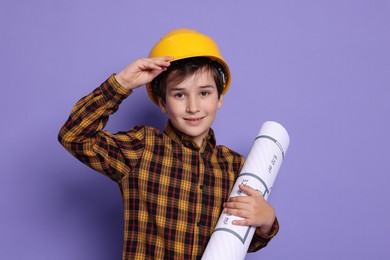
(192, 104)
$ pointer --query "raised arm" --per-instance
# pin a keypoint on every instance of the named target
(82, 134)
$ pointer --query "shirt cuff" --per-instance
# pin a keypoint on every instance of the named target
(261, 240)
(112, 90)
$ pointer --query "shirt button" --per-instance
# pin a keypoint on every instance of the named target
(201, 187)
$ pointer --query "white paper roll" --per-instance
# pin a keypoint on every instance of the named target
(259, 172)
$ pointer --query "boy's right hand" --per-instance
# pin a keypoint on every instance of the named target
(142, 71)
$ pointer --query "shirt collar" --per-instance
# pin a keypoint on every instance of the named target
(186, 140)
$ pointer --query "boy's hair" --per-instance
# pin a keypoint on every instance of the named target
(180, 69)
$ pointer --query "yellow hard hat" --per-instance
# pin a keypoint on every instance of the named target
(186, 43)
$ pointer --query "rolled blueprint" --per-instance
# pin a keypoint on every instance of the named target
(259, 172)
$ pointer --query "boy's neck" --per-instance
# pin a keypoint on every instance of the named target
(186, 139)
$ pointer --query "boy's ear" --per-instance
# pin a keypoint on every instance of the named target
(162, 105)
(220, 101)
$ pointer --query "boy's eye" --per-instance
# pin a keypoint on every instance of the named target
(204, 93)
(179, 95)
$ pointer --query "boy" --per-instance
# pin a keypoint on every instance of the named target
(174, 183)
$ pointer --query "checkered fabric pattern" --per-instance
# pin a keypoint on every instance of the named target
(172, 189)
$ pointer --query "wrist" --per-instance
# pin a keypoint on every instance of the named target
(265, 229)
(267, 226)
(118, 87)
(268, 232)
(123, 82)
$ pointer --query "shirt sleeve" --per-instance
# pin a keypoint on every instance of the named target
(260, 240)
(83, 136)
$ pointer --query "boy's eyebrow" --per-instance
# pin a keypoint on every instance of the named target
(181, 89)
(207, 86)
(175, 89)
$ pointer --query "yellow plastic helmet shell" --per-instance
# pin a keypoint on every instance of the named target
(187, 43)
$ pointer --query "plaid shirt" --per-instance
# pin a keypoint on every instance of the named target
(172, 189)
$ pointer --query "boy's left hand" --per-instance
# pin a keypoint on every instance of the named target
(254, 210)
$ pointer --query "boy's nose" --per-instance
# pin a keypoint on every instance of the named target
(193, 105)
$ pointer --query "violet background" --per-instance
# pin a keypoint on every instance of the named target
(320, 68)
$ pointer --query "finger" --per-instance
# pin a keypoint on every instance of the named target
(244, 199)
(166, 58)
(236, 205)
(164, 61)
(249, 190)
(153, 65)
(157, 64)
(243, 222)
(236, 212)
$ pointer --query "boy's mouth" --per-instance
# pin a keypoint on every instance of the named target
(193, 119)
(196, 120)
